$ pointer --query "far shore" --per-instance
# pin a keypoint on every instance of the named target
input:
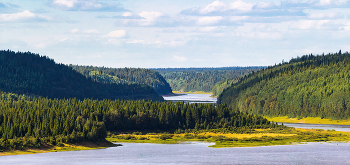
(308, 120)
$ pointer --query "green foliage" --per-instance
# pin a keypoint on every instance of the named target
(307, 86)
(35, 75)
(201, 79)
(222, 85)
(126, 76)
(30, 122)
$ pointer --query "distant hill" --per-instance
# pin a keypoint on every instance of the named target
(201, 79)
(35, 75)
(126, 76)
(307, 86)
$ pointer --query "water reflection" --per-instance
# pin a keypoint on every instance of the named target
(192, 98)
(319, 126)
(194, 153)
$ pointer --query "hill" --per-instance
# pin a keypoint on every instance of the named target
(126, 76)
(201, 79)
(35, 75)
(307, 86)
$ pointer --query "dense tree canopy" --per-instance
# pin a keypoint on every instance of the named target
(32, 74)
(201, 79)
(316, 86)
(126, 76)
(27, 121)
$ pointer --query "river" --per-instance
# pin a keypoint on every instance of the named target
(192, 98)
(198, 152)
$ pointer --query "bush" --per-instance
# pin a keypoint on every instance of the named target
(165, 136)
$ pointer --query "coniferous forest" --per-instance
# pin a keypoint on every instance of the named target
(126, 76)
(201, 79)
(30, 122)
(307, 86)
(35, 75)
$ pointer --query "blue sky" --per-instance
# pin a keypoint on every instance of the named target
(174, 33)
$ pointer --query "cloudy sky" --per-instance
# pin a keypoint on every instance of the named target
(174, 33)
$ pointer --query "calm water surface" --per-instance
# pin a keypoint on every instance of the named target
(193, 153)
(192, 98)
(345, 128)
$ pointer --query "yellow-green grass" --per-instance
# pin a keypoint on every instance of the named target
(308, 120)
(262, 137)
(66, 147)
(195, 92)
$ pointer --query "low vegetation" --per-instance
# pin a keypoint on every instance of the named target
(228, 138)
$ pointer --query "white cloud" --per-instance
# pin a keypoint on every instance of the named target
(179, 58)
(326, 16)
(215, 6)
(308, 24)
(24, 16)
(67, 3)
(347, 26)
(74, 31)
(127, 14)
(240, 5)
(150, 16)
(87, 5)
(209, 20)
(117, 34)
(136, 42)
(91, 31)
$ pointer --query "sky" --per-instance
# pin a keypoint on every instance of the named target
(174, 33)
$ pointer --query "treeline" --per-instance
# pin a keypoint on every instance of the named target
(30, 122)
(201, 79)
(35, 75)
(126, 76)
(315, 86)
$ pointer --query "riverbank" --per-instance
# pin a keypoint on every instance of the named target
(308, 120)
(195, 92)
(259, 137)
(65, 147)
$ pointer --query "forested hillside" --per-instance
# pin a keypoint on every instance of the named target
(201, 79)
(32, 74)
(219, 87)
(315, 86)
(30, 122)
(126, 76)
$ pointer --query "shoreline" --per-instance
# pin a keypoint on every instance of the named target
(261, 137)
(307, 120)
(46, 148)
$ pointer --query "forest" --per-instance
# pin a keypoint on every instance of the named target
(307, 86)
(126, 76)
(34, 75)
(33, 121)
(201, 79)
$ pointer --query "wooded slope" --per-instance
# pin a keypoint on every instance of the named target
(126, 76)
(201, 79)
(316, 86)
(32, 74)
